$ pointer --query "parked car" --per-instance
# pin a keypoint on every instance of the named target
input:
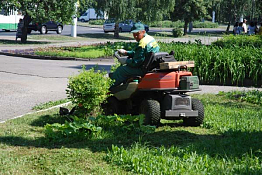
(109, 25)
(124, 26)
(45, 27)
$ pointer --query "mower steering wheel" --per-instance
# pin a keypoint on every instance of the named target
(116, 54)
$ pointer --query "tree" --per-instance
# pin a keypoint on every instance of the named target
(41, 11)
(189, 10)
(138, 10)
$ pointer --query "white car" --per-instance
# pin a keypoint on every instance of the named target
(109, 25)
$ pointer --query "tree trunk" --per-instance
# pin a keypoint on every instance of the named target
(27, 19)
(185, 27)
(116, 33)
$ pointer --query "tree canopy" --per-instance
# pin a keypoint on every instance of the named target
(41, 11)
(138, 10)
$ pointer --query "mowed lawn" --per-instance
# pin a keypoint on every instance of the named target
(229, 142)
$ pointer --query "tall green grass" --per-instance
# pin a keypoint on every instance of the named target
(214, 64)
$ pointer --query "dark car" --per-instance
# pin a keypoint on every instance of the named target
(45, 27)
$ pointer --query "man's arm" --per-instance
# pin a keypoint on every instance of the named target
(138, 57)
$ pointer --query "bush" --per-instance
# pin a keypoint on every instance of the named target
(180, 24)
(167, 24)
(239, 41)
(97, 22)
(206, 24)
(177, 32)
(89, 89)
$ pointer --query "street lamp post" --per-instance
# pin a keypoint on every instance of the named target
(74, 22)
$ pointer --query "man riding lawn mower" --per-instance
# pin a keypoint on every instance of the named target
(160, 93)
(153, 84)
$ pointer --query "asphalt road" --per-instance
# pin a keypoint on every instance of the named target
(25, 83)
(83, 30)
(66, 31)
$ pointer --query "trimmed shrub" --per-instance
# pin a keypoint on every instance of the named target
(206, 24)
(89, 89)
(177, 32)
(239, 41)
(180, 24)
(96, 22)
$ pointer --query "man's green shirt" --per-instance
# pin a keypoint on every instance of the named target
(144, 46)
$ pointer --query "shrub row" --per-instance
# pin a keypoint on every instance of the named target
(97, 22)
(240, 40)
(180, 24)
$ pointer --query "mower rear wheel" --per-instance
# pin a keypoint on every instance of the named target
(151, 110)
(198, 120)
(112, 106)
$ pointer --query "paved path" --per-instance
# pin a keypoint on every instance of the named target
(26, 83)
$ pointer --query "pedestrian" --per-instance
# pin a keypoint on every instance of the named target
(240, 29)
(256, 30)
(132, 66)
(19, 29)
(235, 31)
(251, 28)
(260, 29)
(244, 25)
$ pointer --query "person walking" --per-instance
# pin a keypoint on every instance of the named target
(251, 28)
(244, 25)
(235, 31)
(240, 29)
(19, 29)
(260, 29)
(132, 66)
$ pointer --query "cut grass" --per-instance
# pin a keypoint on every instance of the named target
(229, 142)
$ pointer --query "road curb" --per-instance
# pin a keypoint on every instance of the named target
(35, 112)
(110, 59)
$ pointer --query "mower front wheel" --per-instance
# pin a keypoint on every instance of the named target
(198, 120)
(151, 110)
(112, 106)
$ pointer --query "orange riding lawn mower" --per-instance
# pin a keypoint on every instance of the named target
(160, 93)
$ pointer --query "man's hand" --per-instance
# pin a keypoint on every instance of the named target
(122, 51)
(122, 60)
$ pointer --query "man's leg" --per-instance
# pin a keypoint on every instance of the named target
(122, 73)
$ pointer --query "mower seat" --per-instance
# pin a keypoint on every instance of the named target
(153, 60)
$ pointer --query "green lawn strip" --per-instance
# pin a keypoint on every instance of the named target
(49, 104)
(77, 52)
(229, 142)
(25, 150)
